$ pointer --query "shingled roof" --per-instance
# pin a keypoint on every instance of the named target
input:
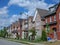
(42, 12)
(53, 12)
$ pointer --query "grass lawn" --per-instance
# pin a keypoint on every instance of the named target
(54, 43)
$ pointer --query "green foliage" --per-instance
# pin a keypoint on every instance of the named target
(33, 31)
(17, 36)
(33, 34)
(44, 36)
(47, 28)
(3, 33)
(38, 39)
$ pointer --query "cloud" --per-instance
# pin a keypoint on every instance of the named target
(56, 1)
(14, 18)
(3, 10)
(4, 21)
(3, 16)
(31, 5)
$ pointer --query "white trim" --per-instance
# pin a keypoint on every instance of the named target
(54, 17)
(46, 20)
(35, 15)
(50, 19)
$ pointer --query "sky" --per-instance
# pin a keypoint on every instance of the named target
(10, 9)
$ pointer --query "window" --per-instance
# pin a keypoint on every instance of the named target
(55, 18)
(37, 23)
(50, 19)
(59, 15)
(46, 20)
(47, 29)
(26, 26)
(52, 9)
(59, 27)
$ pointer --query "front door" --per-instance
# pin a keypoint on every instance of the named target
(55, 33)
(25, 35)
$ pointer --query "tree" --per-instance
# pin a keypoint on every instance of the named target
(44, 36)
(47, 28)
(33, 33)
(5, 32)
(1, 33)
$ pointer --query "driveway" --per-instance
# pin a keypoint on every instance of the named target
(5, 42)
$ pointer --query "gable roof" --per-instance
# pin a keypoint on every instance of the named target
(53, 12)
(41, 12)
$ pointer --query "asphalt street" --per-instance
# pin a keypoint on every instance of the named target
(5, 42)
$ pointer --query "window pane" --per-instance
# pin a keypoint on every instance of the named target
(55, 18)
(50, 19)
(46, 20)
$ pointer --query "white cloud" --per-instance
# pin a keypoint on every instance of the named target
(56, 1)
(14, 18)
(3, 16)
(3, 10)
(31, 5)
(4, 21)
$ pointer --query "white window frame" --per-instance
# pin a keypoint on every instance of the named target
(50, 19)
(38, 23)
(54, 17)
(46, 20)
(52, 9)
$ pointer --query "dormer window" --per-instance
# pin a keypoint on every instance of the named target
(51, 9)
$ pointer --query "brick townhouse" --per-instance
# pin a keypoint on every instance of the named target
(52, 18)
(26, 26)
(15, 28)
(35, 21)
(39, 21)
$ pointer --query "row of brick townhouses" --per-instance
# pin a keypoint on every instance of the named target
(26, 26)
(15, 28)
(39, 21)
(22, 26)
(35, 21)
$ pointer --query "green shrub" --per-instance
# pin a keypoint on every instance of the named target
(44, 36)
(38, 39)
(33, 31)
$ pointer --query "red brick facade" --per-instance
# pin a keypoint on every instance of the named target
(17, 26)
(54, 25)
